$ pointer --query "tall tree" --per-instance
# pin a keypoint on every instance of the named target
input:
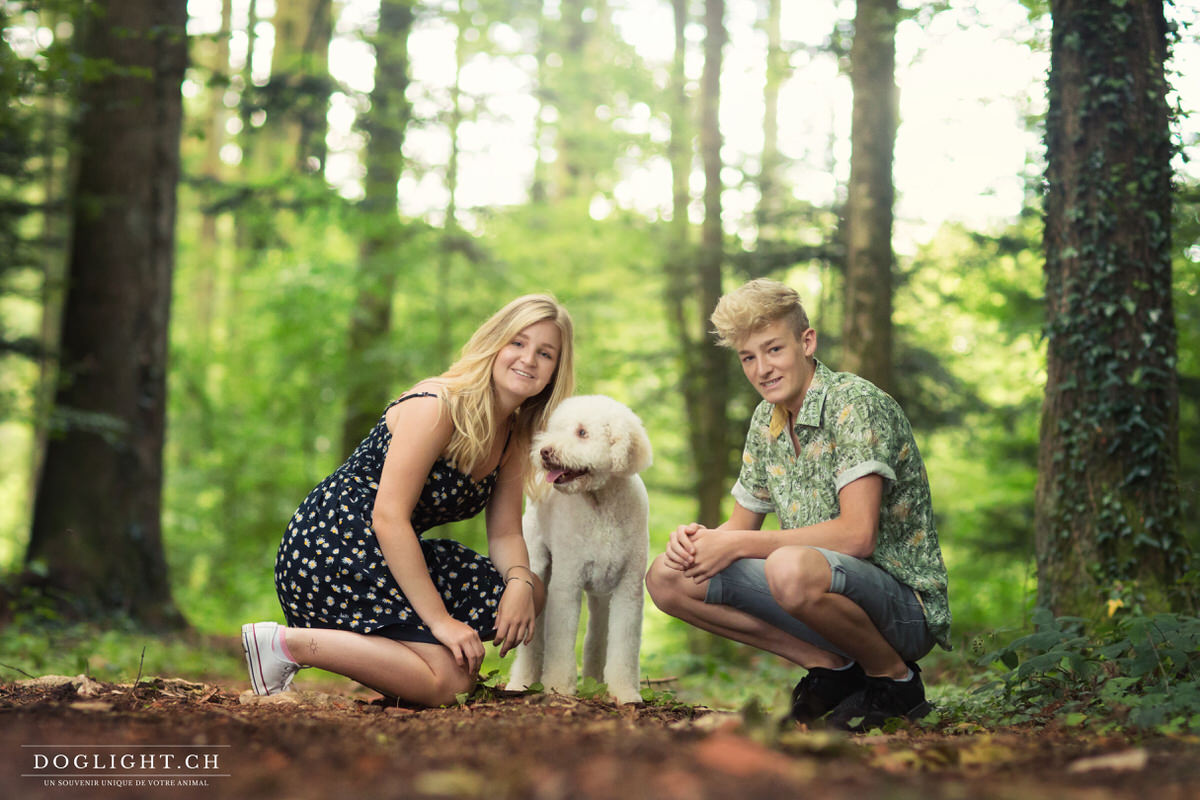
(712, 414)
(867, 321)
(296, 96)
(96, 537)
(382, 229)
(1107, 507)
(770, 185)
(213, 55)
(694, 274)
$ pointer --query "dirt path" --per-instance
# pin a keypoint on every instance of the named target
(77, 738)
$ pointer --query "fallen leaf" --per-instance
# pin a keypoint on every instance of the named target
(742, 757)
(716, 721)
(249, 698)
(46, 682)
(450, 783)
(91, 705)
(1123, 761)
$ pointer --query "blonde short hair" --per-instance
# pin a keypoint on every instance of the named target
(753, 306)
(470, 395)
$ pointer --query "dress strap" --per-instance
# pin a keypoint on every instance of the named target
(404, 397)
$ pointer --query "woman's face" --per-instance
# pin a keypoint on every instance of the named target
(524, 366)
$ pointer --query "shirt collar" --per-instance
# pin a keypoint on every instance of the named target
(810, 409)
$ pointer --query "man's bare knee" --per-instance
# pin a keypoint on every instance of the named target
(658, 582)
(669, 588)
(797, 576)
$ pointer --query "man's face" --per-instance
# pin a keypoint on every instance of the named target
(779, 365)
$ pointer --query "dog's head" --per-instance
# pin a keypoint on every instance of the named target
(589, 439)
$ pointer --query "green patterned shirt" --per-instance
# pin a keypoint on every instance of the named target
(849, 428)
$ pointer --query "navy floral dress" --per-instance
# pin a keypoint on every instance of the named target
(330, 572)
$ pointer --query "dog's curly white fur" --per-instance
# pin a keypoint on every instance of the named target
(590, 534)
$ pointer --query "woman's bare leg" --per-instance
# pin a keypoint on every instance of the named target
(416, 672)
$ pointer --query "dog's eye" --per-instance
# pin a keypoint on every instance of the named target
(582, 432)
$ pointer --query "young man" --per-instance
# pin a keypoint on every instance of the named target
(853, 586)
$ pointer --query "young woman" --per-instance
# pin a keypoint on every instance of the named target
(364, 594)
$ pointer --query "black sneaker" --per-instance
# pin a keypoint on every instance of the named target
(882, 699)
(821, 690)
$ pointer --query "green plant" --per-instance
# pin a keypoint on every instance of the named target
(1140, 673)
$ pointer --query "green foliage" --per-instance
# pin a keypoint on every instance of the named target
(1186, 271)
(259, 360)
(972, 302)
(592, 689)
(1140, 673)
(36, 642)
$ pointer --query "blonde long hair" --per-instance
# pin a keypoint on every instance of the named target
(470, 395)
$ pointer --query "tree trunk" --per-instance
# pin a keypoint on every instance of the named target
(216, 116)
(711, 415)
(300, 78)
(96, 539)
(57, 160)
(694, 274)
(680, 286)
(770, 186)
(867, 323)
(366, 384)
(1107, 508)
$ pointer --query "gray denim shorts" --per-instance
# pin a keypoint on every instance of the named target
(892, 606)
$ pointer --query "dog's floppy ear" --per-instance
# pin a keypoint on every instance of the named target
(630, 445)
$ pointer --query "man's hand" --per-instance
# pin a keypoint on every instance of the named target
(712, 551)
(680, 550)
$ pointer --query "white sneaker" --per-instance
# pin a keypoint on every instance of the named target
(270, 673)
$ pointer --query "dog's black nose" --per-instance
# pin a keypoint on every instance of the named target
(547, 452)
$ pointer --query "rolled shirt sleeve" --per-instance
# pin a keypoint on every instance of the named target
(752, 490)
(868, 437)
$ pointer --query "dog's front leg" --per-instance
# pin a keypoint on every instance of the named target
(529, 658)
(527, 663)
(595, 641)
(624, 640)
(563, 598)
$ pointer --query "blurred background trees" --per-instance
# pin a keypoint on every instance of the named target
(362, 182)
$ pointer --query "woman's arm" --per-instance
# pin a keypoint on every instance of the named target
(425, 434)
(523, 591)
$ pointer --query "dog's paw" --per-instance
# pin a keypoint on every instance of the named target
(625, 694)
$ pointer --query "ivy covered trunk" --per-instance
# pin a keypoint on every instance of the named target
(1107, 517)
(96, 541)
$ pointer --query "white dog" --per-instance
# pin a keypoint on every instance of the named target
(589, 534)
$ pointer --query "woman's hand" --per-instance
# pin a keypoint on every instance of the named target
(462, 641)
(515, 616)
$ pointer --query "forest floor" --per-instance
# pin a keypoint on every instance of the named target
(75, 737)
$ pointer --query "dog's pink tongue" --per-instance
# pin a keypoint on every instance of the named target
(553, 475)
